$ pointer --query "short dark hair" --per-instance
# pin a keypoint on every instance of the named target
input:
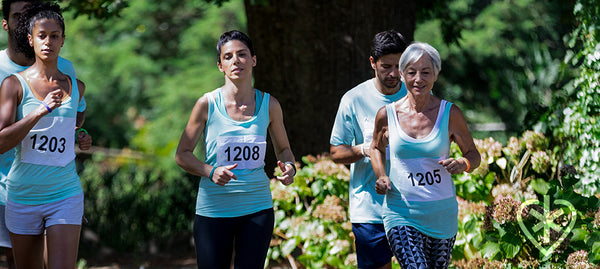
(7, 3)
(234, 35)
(35, 12)
(387, 42)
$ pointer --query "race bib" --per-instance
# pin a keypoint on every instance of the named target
(368, 127)
(422, 179)
(247, 151)
(50, 142)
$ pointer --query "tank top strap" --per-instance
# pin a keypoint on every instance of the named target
(24, 86)
(445, 106)
(74, 89)
(391, 117)
(212, 101)
(263, 100)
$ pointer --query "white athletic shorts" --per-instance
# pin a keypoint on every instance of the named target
(34, 219)
(4, 234)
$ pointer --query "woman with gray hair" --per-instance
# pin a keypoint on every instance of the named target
(420, 207)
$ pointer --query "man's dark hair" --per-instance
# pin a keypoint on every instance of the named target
(387, 42)
(6, 6)
(233, 35)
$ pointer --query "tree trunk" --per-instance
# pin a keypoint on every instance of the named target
(310, 52)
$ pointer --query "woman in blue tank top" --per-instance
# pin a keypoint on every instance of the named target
(234, 208)
(420, 208)
(39, 117)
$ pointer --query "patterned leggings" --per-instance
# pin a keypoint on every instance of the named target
(415, 250)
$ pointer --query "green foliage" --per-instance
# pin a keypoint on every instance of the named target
(311, 222)
(574, 119)
(133, 207)
(533, 216)
(105, 9)
(100, 9)
(504, 62)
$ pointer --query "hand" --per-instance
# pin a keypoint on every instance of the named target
(454, 166)
(53, 99)
(382, 185)
(84, 140)
(222, 174)
(288, 173)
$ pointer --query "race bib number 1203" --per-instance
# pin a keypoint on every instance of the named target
(50, 142)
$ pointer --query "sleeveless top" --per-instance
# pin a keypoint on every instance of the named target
(228, 141)
(423, 194)
(44, 167)
(7, 68)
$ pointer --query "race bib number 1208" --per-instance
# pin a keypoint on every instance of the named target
(247, 151)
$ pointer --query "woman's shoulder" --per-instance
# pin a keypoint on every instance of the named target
(10, 82)
(272, 100)
(210, 95)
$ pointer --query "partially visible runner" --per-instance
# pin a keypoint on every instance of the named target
(234, 208)
(39, 115)
(350, 139)
(420, 207)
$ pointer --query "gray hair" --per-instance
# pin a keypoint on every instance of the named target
(414, 52)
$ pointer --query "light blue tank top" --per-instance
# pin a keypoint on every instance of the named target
(33, 184)
(7, 68)
(228, 141)
(423, 194)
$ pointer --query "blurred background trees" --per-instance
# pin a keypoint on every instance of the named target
(510, 65)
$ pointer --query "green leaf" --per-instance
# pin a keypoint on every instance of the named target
(490, 250)
(579, 234)
(471, 223)
(510, 244)
(334, 261)
(540, 186)
(595, 253)
(317, 188)
(274, 253)
(288, 246)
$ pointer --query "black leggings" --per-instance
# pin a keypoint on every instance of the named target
(247, 236)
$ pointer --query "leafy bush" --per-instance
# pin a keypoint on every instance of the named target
(134, 207)
(311, 222)
(533, 215)
(574, 120)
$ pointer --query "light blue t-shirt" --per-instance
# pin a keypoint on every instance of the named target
(228, 141)
(44, 167)
(354, 125)
(7, 68)
(423, 195)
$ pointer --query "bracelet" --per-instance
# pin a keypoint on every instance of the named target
(47, 107)
(212, 172)
(79, 130)
(468, 163)
(362, 149)
(293, 166)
